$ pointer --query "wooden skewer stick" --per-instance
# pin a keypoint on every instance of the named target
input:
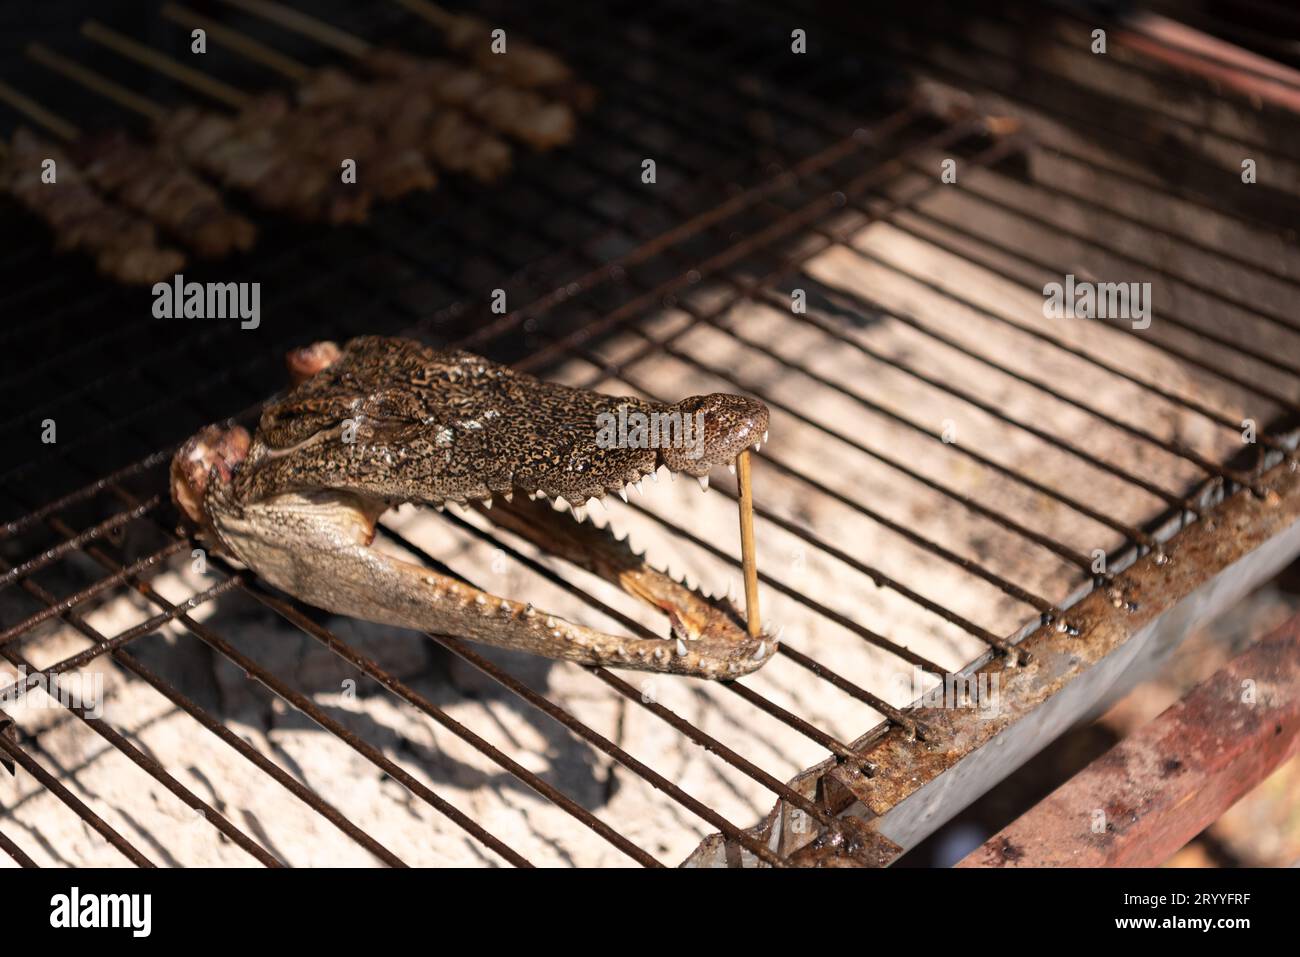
(430, 11)
(46, 118)
(303, 23)
(164, 64)
(242, 44)
(97, 82)
(748, 556)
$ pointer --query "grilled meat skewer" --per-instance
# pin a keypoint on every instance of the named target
(521, 64)
(150, 182)
(411, 120)
(243, 151)
(533, 119)
(413, 126)
(123, 245)
(250, 152)
(521, 113)
(524, 64)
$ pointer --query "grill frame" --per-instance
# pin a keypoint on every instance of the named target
(584, 324)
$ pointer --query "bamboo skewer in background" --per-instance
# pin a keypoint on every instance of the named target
(403, 119)
(149, 181)
(524, 114)
(243, 151)
(123, 244)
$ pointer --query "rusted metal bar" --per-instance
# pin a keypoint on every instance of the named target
(810, 731)
(399, 688)
(10, 529)
(710, 743)
(13, 850)
(52, 555)
(1041, 335)
(97, 588)
(1140, 615)
(1221, 63)
(1207, 365)
(144, 761)
(305, 705)
(877, 576)
(1167, 781)
(114, 647)
(56, 787)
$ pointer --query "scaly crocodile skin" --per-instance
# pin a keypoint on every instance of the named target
(388, 421)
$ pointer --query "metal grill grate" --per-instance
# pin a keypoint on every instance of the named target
(1099, 437)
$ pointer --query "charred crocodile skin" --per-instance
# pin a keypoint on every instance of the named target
(389, 421)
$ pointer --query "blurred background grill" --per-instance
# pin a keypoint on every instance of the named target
(945, 463)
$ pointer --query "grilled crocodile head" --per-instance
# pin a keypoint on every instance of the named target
(388, 421)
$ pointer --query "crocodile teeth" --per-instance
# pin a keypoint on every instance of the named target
(639, 486)
(761, 651)
(654, 476)
(681, 648)
(596, 504)
(560, 504)
(580, 512)
(758, 446)
(509, 496)
(487, 503)
(764, 435)
(704, 481)
(731, 467)
(622, 493)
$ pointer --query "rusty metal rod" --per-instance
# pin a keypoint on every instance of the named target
(831, 743)
(290, 612)
(700, 737)
(13, 850)
(1164, 783)
(52, 555)
(100, 585)
(1190, 358)
(144, 761)
(114, 647)
(56, 787)
(148, 56)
